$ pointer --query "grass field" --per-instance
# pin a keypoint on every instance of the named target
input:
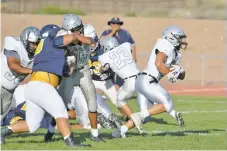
(206, 128)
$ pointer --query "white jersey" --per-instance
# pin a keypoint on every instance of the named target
(120, 61)
(9, 78)
(173, 57)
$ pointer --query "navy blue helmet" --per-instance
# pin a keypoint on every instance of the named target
(49, 30)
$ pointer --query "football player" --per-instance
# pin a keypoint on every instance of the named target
(119, 59)
(40, 91)
(164, 61)
(81, 75)
(16, 62)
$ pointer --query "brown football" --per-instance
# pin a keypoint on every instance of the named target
(181, 76)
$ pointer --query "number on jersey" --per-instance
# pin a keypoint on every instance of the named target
(121, 57)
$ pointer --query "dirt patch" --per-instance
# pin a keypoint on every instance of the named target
(205, 37)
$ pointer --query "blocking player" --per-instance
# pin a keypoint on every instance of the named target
(164, 61)
(16, 62)
(81, 75)
(40, 91)
(119, 59)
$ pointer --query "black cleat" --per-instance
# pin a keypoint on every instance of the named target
(48, 137)
(5, 131)
(70, 141)
(116, 122)
(96, 139)
(180, 119)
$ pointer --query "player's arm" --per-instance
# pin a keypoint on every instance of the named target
(160, 63)
(14, 64)
(65, 40)
(134, 52)
(26, 80)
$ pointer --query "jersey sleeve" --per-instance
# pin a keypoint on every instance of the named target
(165, 46)
(11, 53)
(10, 44)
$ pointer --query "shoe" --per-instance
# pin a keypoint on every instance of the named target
(104, 122)
(180, 119)
(116, 122)
(70, 141)
(137, 122)
(5, 131)
(96, 139)
(118, 134)
(48, 137)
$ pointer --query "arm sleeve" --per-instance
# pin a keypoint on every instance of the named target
(105, 33)
(11, 53)
(165, 47)
(130, 39)
(58, 42)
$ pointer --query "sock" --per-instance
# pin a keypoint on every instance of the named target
(9, 127)
(51, 128)
(124, 129)
(144, 114)
(173, 113)
(66, 136)
(94, 132)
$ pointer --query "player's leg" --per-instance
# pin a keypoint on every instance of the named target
(118, 82)
(156, 93)
(80, 105)
(105, 111)
(124, 93)
(52, 103)
(89, 92)
(65, 88)
(34, 116)
(6, 102)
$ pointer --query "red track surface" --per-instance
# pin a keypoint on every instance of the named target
(196, 90)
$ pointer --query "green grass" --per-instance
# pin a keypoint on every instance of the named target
(131, 14)
(204, 129)
(52, 10)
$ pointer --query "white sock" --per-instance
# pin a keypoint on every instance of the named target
(144, 114)
(9, 127)
(94, 132)
(66, 137)
(51, 128)
(124, 129)
(173, 114)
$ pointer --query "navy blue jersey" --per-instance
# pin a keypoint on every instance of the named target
(48, 57)
(122, 36)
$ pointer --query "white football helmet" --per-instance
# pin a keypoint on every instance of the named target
(176, 36)
(72, 23)
(108, 43)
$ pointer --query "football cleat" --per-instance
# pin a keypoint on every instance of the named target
(180, 119)
(70, 141)
(116, 122)
(96, 139)
(118, 134)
